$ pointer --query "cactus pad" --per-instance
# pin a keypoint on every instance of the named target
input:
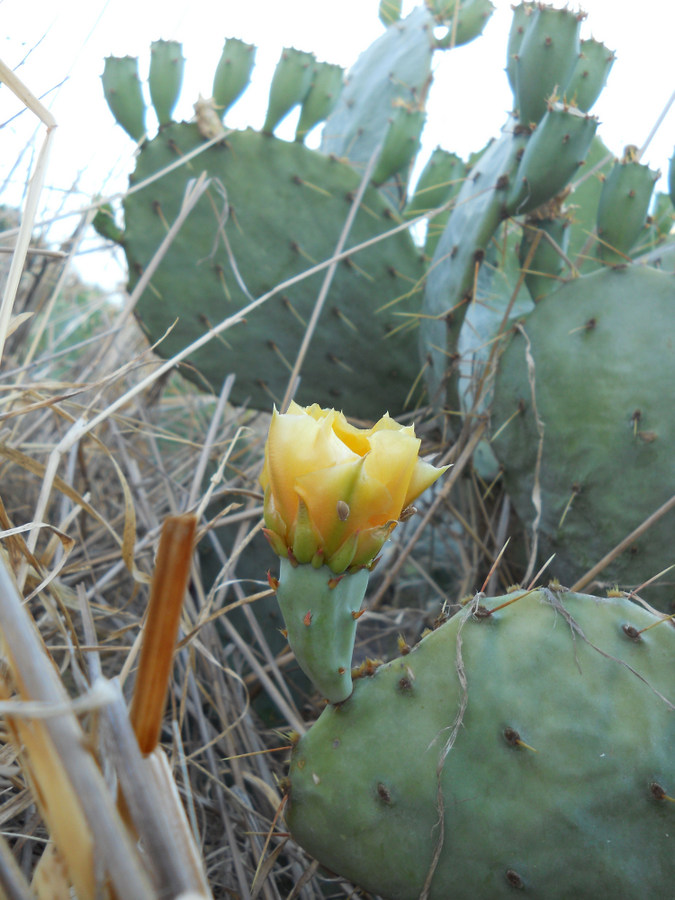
(524, 744)
(597, 355)
(285, 208)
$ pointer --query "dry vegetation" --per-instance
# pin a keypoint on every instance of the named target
(103, 447)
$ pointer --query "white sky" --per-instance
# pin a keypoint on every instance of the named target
(60, 47)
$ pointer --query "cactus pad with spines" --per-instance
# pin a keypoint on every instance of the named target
(597, 357)
(233, 73)
(166, 77)
(286, 206)
(394, 71)
(622, 208)
(524, 744)
(545, 61)
(122, 90)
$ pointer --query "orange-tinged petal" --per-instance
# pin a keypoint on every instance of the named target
(355, 438)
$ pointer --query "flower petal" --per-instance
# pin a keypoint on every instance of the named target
(423, 477)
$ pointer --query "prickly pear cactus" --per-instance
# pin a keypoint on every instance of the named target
(584, 426)
(538, 152)
(283, 211)
(274, 210)
(526, 744)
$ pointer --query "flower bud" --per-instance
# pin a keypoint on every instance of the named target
(334, 492)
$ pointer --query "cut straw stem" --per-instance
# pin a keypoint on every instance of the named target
(172, 570)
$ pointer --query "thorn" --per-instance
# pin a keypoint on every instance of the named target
(307, 620)
(333, 582)
(512, 738)
(357, 615)
(272, 581)
(659, 793)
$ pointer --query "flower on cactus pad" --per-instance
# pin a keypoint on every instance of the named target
(334, 492)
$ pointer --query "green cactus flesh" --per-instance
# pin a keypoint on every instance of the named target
(233, 73)
(546, 259)
(122, 90)
(389, 11)
(524, 744)
(552, 155)
(480, 207)
(546, 60)
(286, 206)
(321, 98)
(394, 71)
(290, 84)
(622, 208)
(166, 77)
(590, 74)
(597, 356)
(400, 144)
(465, 20)
(320, 612)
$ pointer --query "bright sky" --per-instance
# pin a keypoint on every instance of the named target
(59, 50)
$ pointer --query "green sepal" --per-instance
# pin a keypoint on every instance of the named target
(546, 60)
(290, 84)
(622, 209)
(166, 77)
(344, 555)
(122, 89)
(305, 541)
(318, 611)
(590, 74)
(233, 73)
(321, 98)
(553, 154)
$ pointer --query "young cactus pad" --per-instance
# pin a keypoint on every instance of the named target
(282, 212)
(583, 420)
(525, 744)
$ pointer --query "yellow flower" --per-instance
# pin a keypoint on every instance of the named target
(334, 492)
